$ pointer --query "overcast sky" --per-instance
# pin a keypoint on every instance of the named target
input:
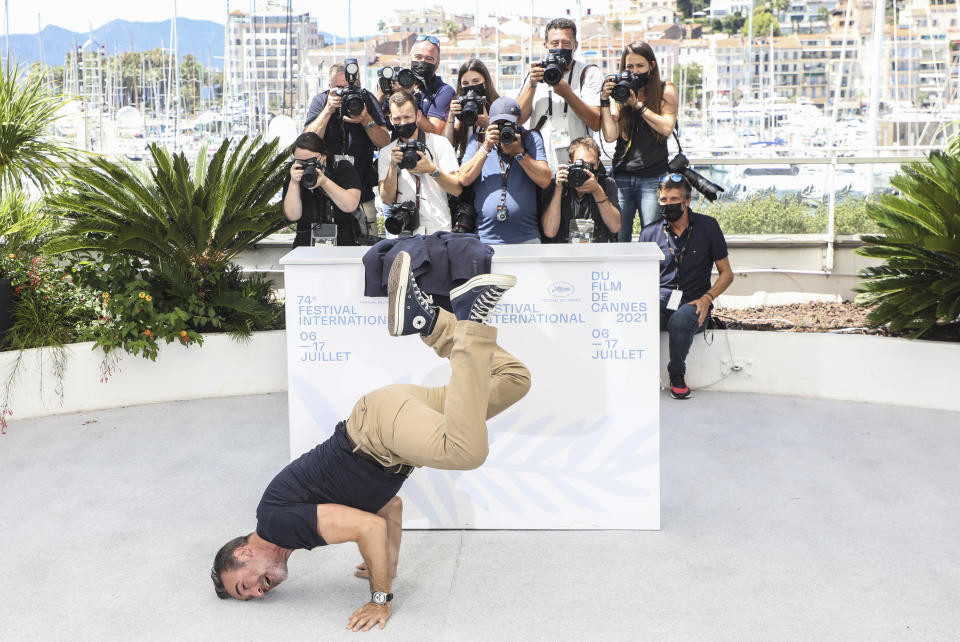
(80, 15)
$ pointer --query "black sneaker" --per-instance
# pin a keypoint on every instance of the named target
(410, 310)
(475, 299)
(678, 387)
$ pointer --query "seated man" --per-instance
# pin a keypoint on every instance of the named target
(594, 199)
(345, 489)
(506, 164)
(691, 244)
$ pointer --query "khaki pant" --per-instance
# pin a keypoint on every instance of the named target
(443, 427)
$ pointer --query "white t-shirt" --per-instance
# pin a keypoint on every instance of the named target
(434, 210)
(563, 127)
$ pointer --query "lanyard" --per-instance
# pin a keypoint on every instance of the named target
(681, 251)
(506, 176)
(566, 105)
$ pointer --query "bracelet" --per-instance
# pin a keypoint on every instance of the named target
(605, 103)
(606, 200)
(643, 108)
(709, 295)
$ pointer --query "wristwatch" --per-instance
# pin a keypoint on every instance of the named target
(381, 598)
(370, 125)
(519, 157)
(435, 173)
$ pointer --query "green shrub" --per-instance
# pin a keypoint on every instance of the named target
(768, 213)
(918, 287)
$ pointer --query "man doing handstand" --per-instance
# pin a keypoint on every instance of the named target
(344, 490)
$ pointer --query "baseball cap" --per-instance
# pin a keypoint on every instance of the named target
(505, 108)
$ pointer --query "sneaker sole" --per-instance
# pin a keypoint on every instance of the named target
(685, 395)
(397, 292)
(504, 281)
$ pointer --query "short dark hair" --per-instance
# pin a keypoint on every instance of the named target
(683, 186)
(586, 142)
(560, 23)
(309, 140)
(225, 560)
(400, 98)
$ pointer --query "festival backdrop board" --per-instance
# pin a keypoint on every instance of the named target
(580, 451)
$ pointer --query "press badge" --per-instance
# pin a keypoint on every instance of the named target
(343, 157)
(674, 302)
(559, 138)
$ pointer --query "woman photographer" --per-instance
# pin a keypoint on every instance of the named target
(473, 75)
(641, 126)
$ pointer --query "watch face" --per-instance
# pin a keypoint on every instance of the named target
(380, 597)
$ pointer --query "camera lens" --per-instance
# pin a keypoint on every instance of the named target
(405, 78)
(508, 133)
(353, 105)
(552, 74)
(468, 114)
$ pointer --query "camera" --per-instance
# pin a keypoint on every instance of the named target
(471, 105)
(681, 165)
(577, 173)
(404, 217)
(411, 155)
(353, 102)
(508, 132)
(581, 230)
(309, 167)
(554, 67)
(462, 211)
(627, 83)
(399, 75)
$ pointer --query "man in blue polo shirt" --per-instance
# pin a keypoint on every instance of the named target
(435, 95)
(691, 243)
(506, 170)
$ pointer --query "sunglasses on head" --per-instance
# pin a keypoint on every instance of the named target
(430, 39)
(671, 178)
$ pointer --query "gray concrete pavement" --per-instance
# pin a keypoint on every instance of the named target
(783, 519)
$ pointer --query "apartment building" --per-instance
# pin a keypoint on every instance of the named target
(264, 56)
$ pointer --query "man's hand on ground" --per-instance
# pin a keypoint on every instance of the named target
(703, 307)
(368, 615)
(363, 573)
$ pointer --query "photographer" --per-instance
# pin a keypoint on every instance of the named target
(561, 99)
(421, 188)
(356, 137)
(506, 165)
(583, 191)
(473, 76)
(641, 125)
(330, 201)
(691, 244)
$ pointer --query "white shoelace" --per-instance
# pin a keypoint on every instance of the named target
(484, 305)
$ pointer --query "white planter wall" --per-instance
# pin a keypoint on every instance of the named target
(828, 366)
(865, 368)
(221, 367)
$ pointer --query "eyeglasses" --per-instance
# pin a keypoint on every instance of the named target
(674, 178)
(430, 39)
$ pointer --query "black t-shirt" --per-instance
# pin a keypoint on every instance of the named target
(585, 207)
(701, 245)
(358, 143)
(328, 474)
(317, 207)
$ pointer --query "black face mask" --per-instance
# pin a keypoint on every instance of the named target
(641, 79)
(564, 54)
(405, 131)
(479, 89)
(672, 212)
(425, 70)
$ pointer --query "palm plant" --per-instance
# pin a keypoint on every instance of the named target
(27, 109)
(919, 285)
(180, 227)
(172, 215)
